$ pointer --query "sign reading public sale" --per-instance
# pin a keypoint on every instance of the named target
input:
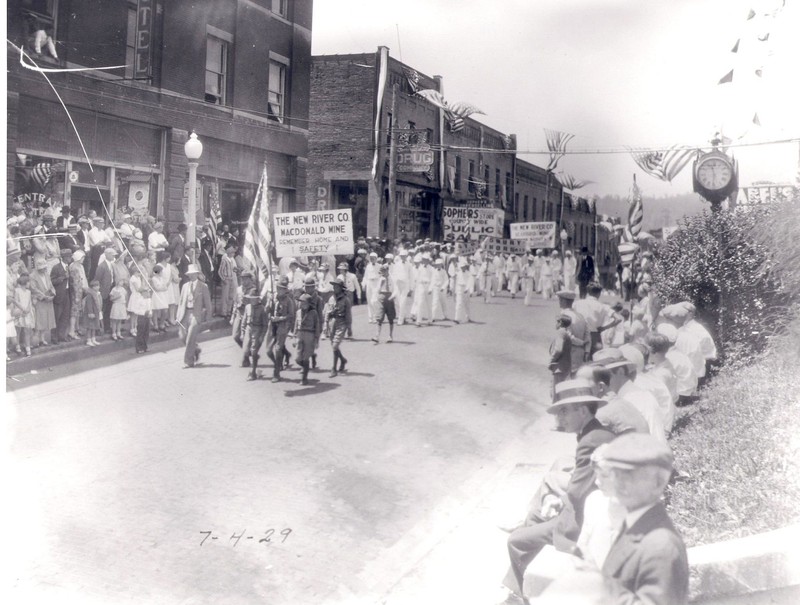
(537, 235)
(314, 233)
(472, 223)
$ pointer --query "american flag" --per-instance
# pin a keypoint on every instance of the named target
(627, 252)
(41, 174)
(664, 165)
(570, 182)
(635, 211)
(557, 145)
(215, 219)
(258, 233)
(454, 113)
(413, 78)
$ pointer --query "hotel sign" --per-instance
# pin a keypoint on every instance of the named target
(144, 39)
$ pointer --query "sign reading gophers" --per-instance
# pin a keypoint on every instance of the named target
(537, 235)
(318, 232)
(472, 223)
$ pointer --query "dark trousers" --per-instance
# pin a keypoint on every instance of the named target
(62, 310)
(582, 288)
(524, 544)
(597, 343)
(142, 332)
(107, 314)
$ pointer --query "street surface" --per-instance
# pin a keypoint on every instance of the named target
(133, 480)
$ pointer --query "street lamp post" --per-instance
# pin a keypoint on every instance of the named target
(193, 150)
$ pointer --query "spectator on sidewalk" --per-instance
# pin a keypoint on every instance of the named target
(194, 308)
(59, 276)
(560, 364)
(43, 293)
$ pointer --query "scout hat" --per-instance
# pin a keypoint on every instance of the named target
(636, 450)
(192, 270)
(310, 280)
(338, 281)
(566, 294)
(573, 391)
(611, 358)
(283, 283)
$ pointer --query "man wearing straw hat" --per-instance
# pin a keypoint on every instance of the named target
(574, 407)
(193, 309)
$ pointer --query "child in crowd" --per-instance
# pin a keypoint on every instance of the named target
(24, 318)
(119, 309)
(93, 313)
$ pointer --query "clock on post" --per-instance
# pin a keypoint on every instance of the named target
(715, 176)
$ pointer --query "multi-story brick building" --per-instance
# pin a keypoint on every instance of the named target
(236, 72)
(470, 165)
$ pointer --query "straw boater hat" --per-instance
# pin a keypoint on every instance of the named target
(310, 281)
(192, 270)
(566, 294)
(573, 391)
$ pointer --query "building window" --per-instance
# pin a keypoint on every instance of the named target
(486, 173)
(277, 91)
(130, 43)
(41, 15)
(389, 127)
(525, 208)
(516, 206)
(533, 210)
(279, 7)
(497, 182)
(216, 70)
(471, 182)
(457, 184)
(509, 187)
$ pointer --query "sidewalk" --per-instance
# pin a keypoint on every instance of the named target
(68, 352)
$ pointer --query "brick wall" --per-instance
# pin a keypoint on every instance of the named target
(12, 99)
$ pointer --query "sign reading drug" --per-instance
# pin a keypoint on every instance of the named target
(314, 233)
(416, 158)
(537, 235)
(472, 223)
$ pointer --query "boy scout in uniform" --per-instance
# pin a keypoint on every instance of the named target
(307, 333)
(280, 325)
(341, 319)
(256, 323)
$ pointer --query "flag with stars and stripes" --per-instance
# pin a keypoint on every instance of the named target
(215, 218)
(635, 211)
(258, 240)
(663, 164)
(557, 145)
(41, 174)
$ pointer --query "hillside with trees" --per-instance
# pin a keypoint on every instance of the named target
(658, 211)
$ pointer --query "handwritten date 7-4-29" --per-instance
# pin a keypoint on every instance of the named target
(269, 536)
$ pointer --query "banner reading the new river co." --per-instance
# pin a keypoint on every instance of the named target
(314, 233)
(536, 235)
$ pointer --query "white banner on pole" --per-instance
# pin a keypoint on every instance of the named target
(472, 223)
(314, 233)
(536, 235)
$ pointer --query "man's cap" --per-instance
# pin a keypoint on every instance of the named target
(389, 256)
(305, 298)
(342, 267)
(647, 254)
(338, 281)
(573, 391)
(247, 273)
(688, 306)
(66, 251)
(283, 282)
(668, 330)
(426, 256)
(126, 216)
(110, 251)
(83, 219)
(565, 316)
(99, 219)
(636, 450)
(594, 287)
(373, 255)
(384, 269)
(310, 280)
(293, 261)
(675, 312)
(193, 270)
(252, 292)
(48, 215)
(78, 255)
(566, 294)
(611, 358)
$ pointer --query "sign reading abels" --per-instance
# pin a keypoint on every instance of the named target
(472, 223)
(314, 233)
(536, 235)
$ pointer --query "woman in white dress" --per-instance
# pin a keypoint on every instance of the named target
(570, 266)
(160, 280)
(174, 292)
(546, 277)
(557, 267)
(157, 241)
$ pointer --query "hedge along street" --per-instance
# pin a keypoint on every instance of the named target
(315, 232)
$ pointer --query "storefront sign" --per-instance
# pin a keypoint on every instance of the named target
(139, 198)
(472, 223)
(763, 194)
(536, 235)
(415, 158)
(144, 39)
(314, 233)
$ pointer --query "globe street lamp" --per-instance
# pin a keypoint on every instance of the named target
(193, 150)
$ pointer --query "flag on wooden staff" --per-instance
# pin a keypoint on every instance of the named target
(258, 234)
(627, 252)
(557, 144)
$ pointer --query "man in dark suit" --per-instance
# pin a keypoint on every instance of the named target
(585, 271)
(647, 563)
(574, 407)
(65, 220)
(177, 244)
(105, 275)
(59, 275)
(194, 308)
(71, 240)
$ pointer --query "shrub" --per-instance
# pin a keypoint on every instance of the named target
(716, 261)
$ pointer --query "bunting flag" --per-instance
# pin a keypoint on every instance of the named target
(557, 145)
(258, 239)
(569, 182)
(759, 72)
(756, 121)
(413, 79)
(627, 252)
(41, 174)
(383, 67)
(635, 211)
(735, 48)
(764, 38)
(728, 77)
(454, 113)
(664, 165)
(751, 14)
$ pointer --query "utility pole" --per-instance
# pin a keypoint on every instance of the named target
(392, 210)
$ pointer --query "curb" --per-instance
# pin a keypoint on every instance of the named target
(75, 350)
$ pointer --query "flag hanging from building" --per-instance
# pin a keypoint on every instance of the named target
(41, 174)
(215, 218)
(258, 240)
(664, 165)
(454, 113)
(727, 78)
(557, 144)
(412, 77)
(383, 67)
(635, 211)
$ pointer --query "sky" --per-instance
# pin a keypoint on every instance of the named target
(614, 73)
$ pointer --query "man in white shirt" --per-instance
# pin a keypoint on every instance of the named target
(401, 275)
(599, 316)
(370, 284)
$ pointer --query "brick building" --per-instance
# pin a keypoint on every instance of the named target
(404, 199)
(234, 71)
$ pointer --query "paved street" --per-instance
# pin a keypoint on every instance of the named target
(131, 482)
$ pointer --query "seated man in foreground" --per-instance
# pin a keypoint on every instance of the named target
(574, 407)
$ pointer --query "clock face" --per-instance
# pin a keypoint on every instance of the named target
(714, 174)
